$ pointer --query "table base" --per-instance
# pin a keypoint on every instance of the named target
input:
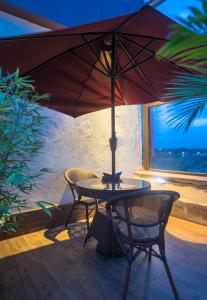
(111, 252)
(101, 229)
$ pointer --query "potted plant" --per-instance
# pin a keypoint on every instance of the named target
(20, 142)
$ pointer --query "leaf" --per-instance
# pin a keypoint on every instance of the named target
(182, 114)
(187, 48)
(42, 205)
(46, 170)
(10, 180)
(17, 74)
(188, 40)
(190, 91)
(53, 205)
(20, 142)
(4, 209)
(11, 227)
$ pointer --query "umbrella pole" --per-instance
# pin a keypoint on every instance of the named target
(113, 139)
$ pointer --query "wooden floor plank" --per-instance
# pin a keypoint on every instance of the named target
(35, 267)
(10, 282)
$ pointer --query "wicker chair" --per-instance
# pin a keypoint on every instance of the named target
(73, 176)
(139, 221)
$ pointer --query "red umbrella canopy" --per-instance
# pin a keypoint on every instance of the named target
(74, 65)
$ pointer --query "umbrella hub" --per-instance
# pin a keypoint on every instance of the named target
(113, 142)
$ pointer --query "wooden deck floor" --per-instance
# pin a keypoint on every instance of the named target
(34, 267)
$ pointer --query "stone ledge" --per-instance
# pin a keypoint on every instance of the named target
(192, 205)
(191, 212)
(197, 180)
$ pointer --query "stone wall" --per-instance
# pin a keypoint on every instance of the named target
(84, 142)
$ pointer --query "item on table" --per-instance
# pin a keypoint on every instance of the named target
(107, 178)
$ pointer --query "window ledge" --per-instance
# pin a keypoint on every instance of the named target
(197, 180)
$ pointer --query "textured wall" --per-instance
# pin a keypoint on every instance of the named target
(83, 142)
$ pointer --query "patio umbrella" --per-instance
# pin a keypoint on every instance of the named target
(96, 66)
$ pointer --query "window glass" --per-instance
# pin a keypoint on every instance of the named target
(176, 150)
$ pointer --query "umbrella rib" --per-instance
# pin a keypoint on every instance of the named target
(125, 69)
(116, 83)
(136, 85)
(153, 52)
(144, 36)
(132, 67)
(81, 91)
(94, 52)
(141, 62)
(126, 21)
(146, 59)
(38, 36)
(131, 17)
(148, 81)
(87, 62)
(57, 56)
(140, 70)
(118, 88)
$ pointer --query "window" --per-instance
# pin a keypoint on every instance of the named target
(168, 149)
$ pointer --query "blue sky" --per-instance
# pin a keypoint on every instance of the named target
(174, 8)
(168, 137)
(82, 12)
(72, 13)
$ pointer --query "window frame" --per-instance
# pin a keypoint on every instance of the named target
(146, 142)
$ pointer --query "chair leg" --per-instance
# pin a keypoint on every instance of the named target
(86, 238)
(87, 219)
(87, 223)
(69, 215)
(126, 283)
(96, 204)
(170, 278)
(150, 254)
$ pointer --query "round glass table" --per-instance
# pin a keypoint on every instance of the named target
(101, 228)
(95, 188)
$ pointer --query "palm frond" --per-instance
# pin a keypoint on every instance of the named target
(191, 91)
(188, 43)
(188, 48)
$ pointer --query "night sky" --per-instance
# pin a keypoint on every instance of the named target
(168, 137)
(70, 12)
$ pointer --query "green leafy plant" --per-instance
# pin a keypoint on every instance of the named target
(20, 142)
(187, 47)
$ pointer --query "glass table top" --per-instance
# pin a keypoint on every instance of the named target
(125, 184)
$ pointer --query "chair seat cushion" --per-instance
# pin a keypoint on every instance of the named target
(139, 234)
